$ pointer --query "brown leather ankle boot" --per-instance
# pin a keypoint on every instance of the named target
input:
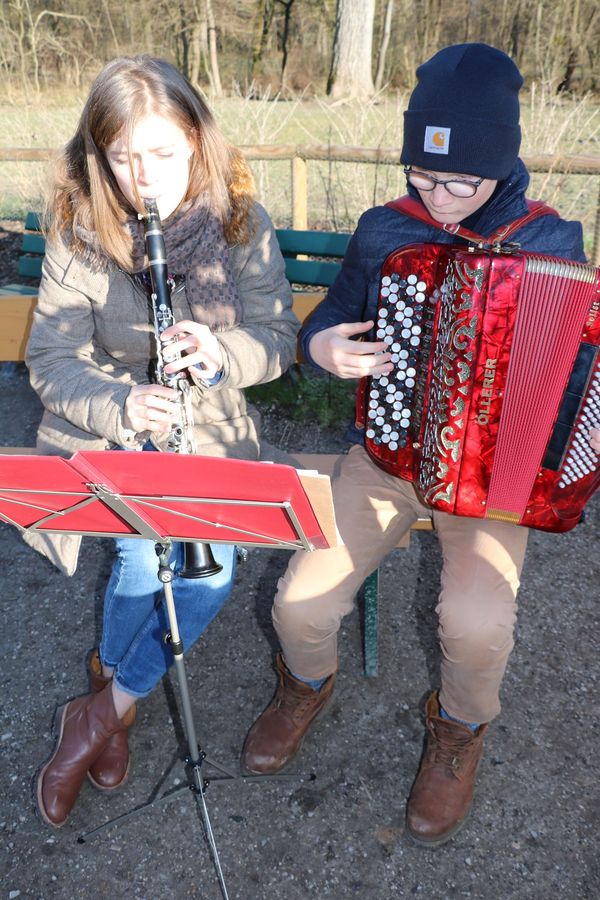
(110, 769)
(277, 734)
(84, 726)
(441, 796)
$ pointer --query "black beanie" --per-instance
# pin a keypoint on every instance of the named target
(463, 115)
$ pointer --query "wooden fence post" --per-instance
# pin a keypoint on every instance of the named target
(299, 194)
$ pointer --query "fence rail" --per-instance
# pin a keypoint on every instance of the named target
(301, 154)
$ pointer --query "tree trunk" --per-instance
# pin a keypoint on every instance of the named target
(385, 40)
(264, 18)
(183, 42)
(195, 51)
(212, 49)
(287, 4)
(350, 75)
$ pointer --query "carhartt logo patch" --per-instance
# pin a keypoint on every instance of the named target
(437, 140)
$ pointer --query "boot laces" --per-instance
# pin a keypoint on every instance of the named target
(450, 749)
(295, 704)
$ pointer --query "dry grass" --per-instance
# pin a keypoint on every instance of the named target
(338, 192)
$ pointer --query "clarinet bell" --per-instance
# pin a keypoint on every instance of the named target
(198, 561)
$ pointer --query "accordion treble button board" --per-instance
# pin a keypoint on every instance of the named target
(580, 459)
(401, 325)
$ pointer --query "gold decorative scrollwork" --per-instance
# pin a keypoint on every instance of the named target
(452, 370)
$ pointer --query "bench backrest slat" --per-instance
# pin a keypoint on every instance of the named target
(30, 266)
(329, 248)
(33, 222)
(312, 272)
(33, 243)
(312, 243)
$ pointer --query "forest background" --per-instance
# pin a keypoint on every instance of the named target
(303, 72)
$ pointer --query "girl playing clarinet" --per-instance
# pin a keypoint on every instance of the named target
(145, 133)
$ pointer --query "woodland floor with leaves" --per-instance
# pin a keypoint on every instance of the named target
(533, 831)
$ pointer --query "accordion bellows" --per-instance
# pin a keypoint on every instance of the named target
(496, 382)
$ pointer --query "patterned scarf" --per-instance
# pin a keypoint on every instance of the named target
(197, 249)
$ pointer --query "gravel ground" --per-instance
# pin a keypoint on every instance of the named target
(534, 828)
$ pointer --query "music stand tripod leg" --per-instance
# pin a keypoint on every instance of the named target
(196, 754)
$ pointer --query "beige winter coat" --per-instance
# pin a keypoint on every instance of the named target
(91, 340)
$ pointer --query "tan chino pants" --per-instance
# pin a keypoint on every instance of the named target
(482, 562)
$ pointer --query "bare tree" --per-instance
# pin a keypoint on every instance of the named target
(579, 36)
(383, 46)
(186, 36)
(285, 37)
(350, 75)
(215, 77)
(265, 10)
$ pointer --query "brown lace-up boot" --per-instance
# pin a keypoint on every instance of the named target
(84, 726)
(441, 796)
(111, 768)
(277, 734)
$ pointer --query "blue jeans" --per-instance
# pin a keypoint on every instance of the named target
(135, 616)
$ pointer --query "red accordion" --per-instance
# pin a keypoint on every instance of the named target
(496, 382)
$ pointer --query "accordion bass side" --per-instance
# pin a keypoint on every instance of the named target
(496, 382)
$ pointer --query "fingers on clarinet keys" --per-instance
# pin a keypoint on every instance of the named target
(154, 413)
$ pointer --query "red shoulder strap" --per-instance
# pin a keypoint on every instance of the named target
(409, 206)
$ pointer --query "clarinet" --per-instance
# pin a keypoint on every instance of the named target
(199, 561)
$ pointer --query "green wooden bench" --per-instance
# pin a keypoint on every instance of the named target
(312, 262)
(312, 257)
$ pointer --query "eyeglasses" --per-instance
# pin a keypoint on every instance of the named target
(457, 187)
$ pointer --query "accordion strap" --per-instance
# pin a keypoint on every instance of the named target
(409, 206)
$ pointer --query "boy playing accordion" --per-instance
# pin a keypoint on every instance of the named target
(461, 145)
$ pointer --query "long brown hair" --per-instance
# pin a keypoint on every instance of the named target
(85, 193)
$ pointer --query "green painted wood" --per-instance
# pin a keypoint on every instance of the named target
(33, 221)
(25, 290)
(30, 266)
(370, 592)
(33, 243)
(312, 243)
(313, 272)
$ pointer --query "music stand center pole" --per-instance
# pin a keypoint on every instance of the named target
(196, 754)
(165, 575)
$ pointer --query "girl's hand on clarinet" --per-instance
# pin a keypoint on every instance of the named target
(333, 350)
(595, 439)
(196, 345)
(151, 407)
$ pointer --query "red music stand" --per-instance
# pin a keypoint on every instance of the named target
(165, 498)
